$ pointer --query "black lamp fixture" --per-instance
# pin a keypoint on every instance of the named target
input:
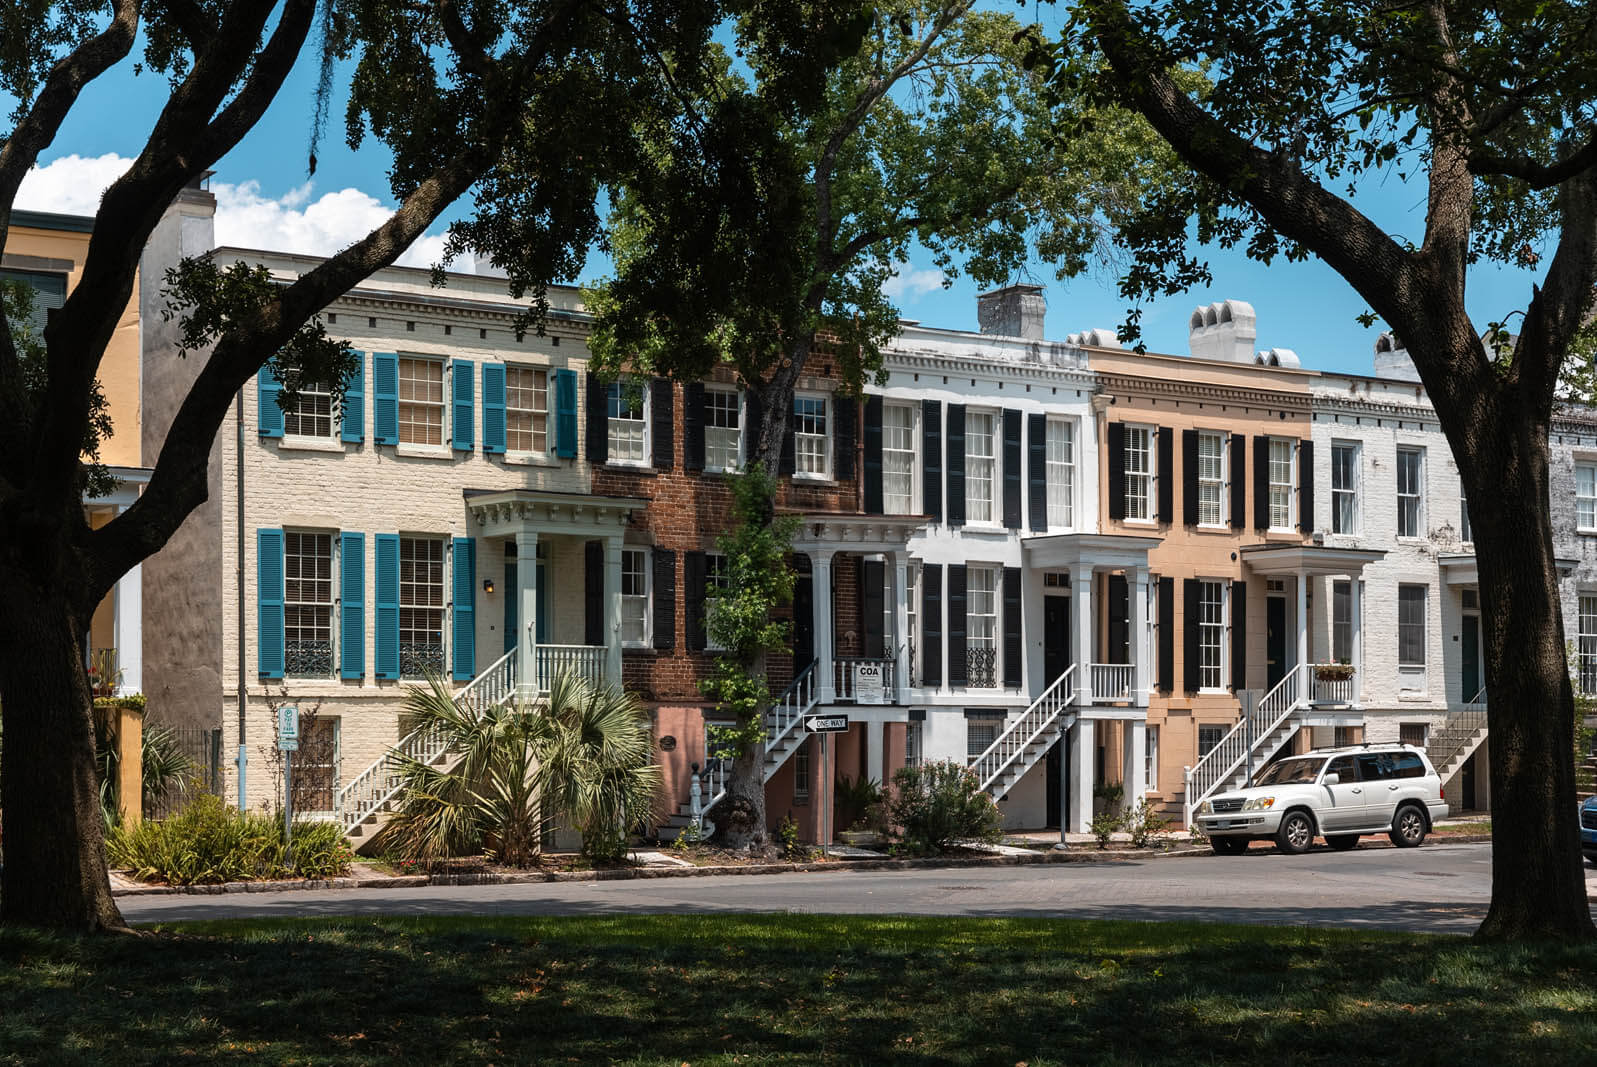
(487, 585)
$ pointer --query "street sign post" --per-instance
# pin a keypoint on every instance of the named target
(826, 724)
(288, 728)
(823, 725)
(288, 744)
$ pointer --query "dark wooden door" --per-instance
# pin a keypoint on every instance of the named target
(1470, 658)
(1275, 641)
(1056, 637)
(803, 622)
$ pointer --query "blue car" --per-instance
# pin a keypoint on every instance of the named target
(1588, 829)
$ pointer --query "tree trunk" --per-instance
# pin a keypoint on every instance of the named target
(55, 872)
(740, 818)
(1538, 886)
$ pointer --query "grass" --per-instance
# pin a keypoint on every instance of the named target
(787, 989)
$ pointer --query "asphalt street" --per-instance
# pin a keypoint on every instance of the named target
(1438, 888)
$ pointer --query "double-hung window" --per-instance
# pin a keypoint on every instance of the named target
(801, 775)
(717, 580)
(308, 604)
(526, 409)
(1208, 738)
(1211, 634)
(1588, 645)
(898, 459)
(812, 441)
(981, 466)
(311, 414)
(1411, 636)
(914, 744)
(1344, 487)
(1410, 492)
(912, 619)
(1150, 769)
(421, 401)
(421, 606)
(723, 430)
(1139, 473)
(1586, 497)
(1342, 621)
(628, 425)
(980, 735)
(634, 597)
(1465, 534)
(981, 627)
(1060, 472)
(1211, 478)
(1281, 466)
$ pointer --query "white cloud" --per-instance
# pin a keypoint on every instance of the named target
(910, 283)
(293, 222)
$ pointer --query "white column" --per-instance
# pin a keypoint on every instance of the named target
(1081, 607)
(1139, 637)
(1303, 623)
(129, 636)
(1356, 608)
(1135, 775)
(901, 626)
(612, 609)
(875, 755)
(821, 595)
(526, 592)
(1082, 755)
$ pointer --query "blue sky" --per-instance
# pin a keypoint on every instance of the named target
(267, 199)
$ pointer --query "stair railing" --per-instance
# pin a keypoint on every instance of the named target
(1021, 734)
(1222, 761)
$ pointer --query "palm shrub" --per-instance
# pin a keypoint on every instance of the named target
(938, 805)
(583, 756)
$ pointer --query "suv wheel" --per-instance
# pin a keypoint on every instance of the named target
(1408, 827)
(1296, 833)
(1342, 842)
(1228, 846)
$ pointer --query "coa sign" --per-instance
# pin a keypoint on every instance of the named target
(868, 683)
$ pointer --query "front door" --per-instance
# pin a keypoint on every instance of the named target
(1470, 658)
(1119, 650)
(1274, 641)
(803, 622)
(1056, 638)
(513, 605)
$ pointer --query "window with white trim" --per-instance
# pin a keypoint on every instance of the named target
(1281, 483)
(1208, 737)
(526, 409)
(634, 597)
(1139, 473)
(914, 744)
(1586, 497)
(717, 579)
(723, 430)
(981, 627)
(1465, 534)
(912, 621)
(628, 423)
(812, 440)
(1588, 644)
(980, 735)
(1410, 492)
(1150, 770)
(311, 413)
(307, 604)
(1411, 600)
(1211, 634)
(421, 401)
(421, 606)
(1342, 621)
(1060, 472)
(898, 459)
(1211, 478)
(981, 466)
(801, 774)
(1344, 487)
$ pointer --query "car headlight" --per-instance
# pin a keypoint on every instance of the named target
(1258, 804)
(1206, 808)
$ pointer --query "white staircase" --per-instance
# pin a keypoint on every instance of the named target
(1252, 741)
(1027, 740)
(364, 802)
(1458, 737)
(784, 733)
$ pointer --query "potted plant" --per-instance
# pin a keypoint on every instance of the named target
(1333, 672)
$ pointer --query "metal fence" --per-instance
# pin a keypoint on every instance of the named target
(201, 748)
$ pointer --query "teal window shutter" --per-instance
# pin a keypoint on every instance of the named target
(269, 601)
(352, 606)
(566, 414)
(493, 407)
(387, 560)
(461, 423)
(354, 428)
(385, 398)
(270, 415)
(465, 609)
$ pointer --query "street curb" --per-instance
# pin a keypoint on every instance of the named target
(417, 881)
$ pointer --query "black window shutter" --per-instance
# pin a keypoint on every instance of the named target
(1239, 482)
(751, 427)
(789, 462)
(1012, 469)
(873, 455)
(1306, 486)
(693, 426)
(803, 620)
(1239, 635)
(1189, 477)
(958, 668)
(1012, 627)
(1261, 483)
(592, 593)
(665, 598)
(873, 577)
(1167, 634)
(956, 471)
(931, 620)
(845, 412)
(1119, 594)
(693, 601)
(1037, 469)
(1115, 442)
(598, 450)
(1165, 475)
(931, 424)
(1189, 634)
(662, 418)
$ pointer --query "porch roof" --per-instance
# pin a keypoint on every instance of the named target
(508, 512)
(1102, 551)
(855, 533)
(1309, 559)
(1458, 568)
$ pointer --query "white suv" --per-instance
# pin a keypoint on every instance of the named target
(1337, 794)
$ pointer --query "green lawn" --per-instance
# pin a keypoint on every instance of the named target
(786, 989)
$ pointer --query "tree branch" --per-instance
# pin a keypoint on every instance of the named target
(1561, 305)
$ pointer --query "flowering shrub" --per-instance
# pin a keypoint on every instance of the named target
(938, 805)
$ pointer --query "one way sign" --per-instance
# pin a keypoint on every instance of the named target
(826, 724)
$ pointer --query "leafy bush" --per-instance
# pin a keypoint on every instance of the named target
(859, 803)
(208, 843)
(940, 804)
(1142, 823)
(1103, 824)
(787, 839)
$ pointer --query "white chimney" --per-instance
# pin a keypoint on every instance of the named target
(1392, 360)
(1013, 311)
(1224, 330)
(1095, 338)
(1278, 357)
